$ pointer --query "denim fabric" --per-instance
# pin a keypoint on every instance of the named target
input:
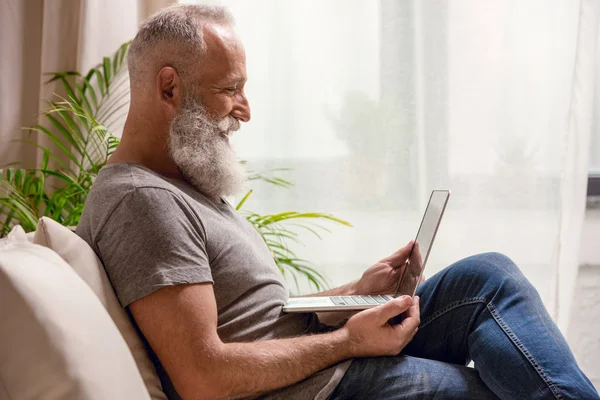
(483, 309)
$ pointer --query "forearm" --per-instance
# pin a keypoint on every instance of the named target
(252, 368)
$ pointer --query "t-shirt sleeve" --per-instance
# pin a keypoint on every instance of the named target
(152, 240)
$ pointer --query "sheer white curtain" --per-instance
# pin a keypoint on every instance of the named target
(375, 103)
(594, 164)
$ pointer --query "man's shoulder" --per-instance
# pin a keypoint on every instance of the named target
(137, 184)
(116, 184)
(126, 177)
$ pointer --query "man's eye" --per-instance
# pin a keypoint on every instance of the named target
(231, 89)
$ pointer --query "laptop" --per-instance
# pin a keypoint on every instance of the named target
(409, 279)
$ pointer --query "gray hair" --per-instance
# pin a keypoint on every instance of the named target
(173, 36)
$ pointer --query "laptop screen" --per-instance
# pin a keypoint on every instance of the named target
(409, 280)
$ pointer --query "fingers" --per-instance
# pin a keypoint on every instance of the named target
(399, 257)
(392, 308)
(413, 317)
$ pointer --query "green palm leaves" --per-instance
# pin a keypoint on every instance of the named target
(79, 146)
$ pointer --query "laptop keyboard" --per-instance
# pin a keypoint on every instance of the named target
(360, 300)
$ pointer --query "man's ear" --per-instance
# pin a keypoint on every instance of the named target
(169, 90)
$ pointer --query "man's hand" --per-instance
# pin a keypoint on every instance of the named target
(382, 277)
(370, 334)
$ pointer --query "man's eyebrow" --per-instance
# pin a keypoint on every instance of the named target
(234, 80)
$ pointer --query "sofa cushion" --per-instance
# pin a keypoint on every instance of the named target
(76, 252)
(56, 339)
(17, 234)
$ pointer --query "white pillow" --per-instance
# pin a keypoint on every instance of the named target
(16, 235)
(56, 339)
(76, 252)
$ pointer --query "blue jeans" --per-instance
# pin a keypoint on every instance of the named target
(483, 309)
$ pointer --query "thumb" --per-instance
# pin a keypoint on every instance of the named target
(393, 307)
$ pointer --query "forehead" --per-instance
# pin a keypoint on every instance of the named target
(225, 55)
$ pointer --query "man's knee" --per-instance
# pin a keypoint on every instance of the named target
(493, 263)
(491, 269)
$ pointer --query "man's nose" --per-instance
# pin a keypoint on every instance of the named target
(241, 109)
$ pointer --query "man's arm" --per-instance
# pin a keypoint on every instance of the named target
(380, 278)
(180, 323)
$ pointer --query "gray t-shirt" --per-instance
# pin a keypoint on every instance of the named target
(151, 232)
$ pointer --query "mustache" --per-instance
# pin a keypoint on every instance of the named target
(228, 124)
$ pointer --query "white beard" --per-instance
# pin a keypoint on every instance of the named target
(200, 148)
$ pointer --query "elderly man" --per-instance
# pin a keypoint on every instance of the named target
(206, 295)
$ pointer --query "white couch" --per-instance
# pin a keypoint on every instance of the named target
(63, 333)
